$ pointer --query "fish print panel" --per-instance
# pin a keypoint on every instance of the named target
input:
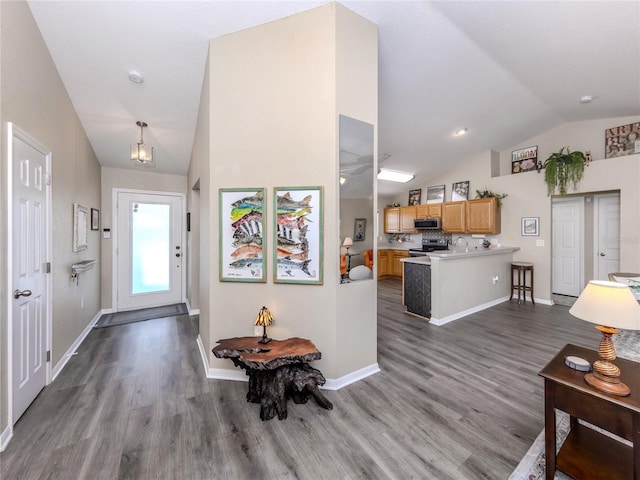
(298, 235)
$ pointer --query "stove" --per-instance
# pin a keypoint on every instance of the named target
(429, 245)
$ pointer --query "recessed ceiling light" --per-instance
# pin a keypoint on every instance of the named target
(394, 176)
(586, 99)
(136, 77)
(461, 132)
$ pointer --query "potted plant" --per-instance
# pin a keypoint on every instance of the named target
(488, 193)
(563, 168)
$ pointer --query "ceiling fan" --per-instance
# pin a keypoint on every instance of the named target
(360, 164)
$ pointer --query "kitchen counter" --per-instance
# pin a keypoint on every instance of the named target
(470, 252)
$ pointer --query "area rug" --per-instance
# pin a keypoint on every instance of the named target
(531, 467)
(121, 318)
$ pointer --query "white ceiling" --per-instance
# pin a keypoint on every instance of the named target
(507, 70)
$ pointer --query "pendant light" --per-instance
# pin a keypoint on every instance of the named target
(140, 153)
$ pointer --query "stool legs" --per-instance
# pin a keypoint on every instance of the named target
(522, 286)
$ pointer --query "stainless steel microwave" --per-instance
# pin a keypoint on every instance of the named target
(427, 223)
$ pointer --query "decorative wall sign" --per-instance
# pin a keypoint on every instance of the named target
(359, 229)
(621, 141)
(242, 242)
(460, 191)
(298, 230)
(531, 226)
(415, 196)
(435, 194)
(525, 160)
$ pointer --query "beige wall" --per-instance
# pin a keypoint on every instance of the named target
(274, 108)
(528, 194)
(34, 99)
(135, 179)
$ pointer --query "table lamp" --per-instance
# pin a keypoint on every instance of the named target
(348, 241)
(263, 319)
(610, 306)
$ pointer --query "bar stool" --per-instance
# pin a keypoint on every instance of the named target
(522, 268)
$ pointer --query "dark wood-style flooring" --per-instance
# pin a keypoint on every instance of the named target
(460, 401)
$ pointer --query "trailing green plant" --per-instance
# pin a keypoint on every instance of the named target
(563, 168)
(488, 193)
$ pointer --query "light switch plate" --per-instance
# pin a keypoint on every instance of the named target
(539, 243)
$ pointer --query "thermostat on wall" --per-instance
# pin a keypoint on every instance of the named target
(577, 363)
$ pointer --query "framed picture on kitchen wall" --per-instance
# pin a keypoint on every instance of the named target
(531, 226)
(415, 196)
(524, 160)
(359, 229)
(460, 191)
(242, 241)
(621, 141)
(435, 194)
(298, 231)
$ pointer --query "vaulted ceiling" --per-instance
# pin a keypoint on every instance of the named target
(506, 70)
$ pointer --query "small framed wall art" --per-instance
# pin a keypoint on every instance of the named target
(242, 242)
(95, 219)
(298, 231)
(415, 196)
(359, 229)
(524, 160)
(435, 194)
(460, 191)
(530, 226)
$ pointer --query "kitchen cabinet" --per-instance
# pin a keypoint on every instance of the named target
(454, 217)
(472, 216)
(483, 215)
(396, 269)
(407, 216)
(383, 263)
(392, 220)
(430, 210)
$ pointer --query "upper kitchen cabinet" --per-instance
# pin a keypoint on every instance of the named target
(399, 219)
(430, 210)
(483, 215)
(472, 216)
(454, 217)
(392, 220)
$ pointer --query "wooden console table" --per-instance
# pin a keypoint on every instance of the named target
(277, 370)
(587, 453)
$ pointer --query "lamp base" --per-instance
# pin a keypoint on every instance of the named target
(264, 340)
(612, 386)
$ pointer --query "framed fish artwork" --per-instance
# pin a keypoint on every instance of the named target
(242, 230)
(298, 232)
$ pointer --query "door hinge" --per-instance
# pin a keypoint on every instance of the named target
(47, 267)
(48, 355)
(47, 179)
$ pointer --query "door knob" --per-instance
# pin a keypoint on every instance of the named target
(602, 254)
(24, 293)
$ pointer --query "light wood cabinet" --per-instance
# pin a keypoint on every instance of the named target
(397, 264)
(407, 216)
(392, 220)
(431, 210)
(454, 217)
(472, 216)
(483, 215)
(383, 263)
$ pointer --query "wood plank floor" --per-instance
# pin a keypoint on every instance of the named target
(460, 401)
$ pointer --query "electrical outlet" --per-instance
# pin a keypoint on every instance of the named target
(539, 243)
(495, 279)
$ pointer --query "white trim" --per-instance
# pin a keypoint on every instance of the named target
(114, 238)
(544, 301)
(195, 311)
(353, 377)
(5, 437)
(13, 131)
(464, 313)
(219, 373)
(71, 351)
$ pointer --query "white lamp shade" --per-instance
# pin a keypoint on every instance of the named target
(348, 241)
(608, 303)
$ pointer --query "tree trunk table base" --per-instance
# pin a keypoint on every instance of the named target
(277, 371)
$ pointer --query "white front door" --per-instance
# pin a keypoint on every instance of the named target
(567, 246)
(149, 249)
(607, 235)
(29, 288)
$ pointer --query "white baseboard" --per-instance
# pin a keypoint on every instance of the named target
(74, 346)
(464, 313)
(219, 373)
(192, 311)
(544, 301)
(348, 379)
(5, 437)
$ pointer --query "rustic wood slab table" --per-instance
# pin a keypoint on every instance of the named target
(277, 370)
(586, 453)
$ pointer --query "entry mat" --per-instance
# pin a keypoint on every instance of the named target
(120, 318)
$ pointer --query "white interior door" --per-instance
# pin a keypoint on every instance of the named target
(30, 167)
(567, 246)
(607, 235)
(149, 249)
